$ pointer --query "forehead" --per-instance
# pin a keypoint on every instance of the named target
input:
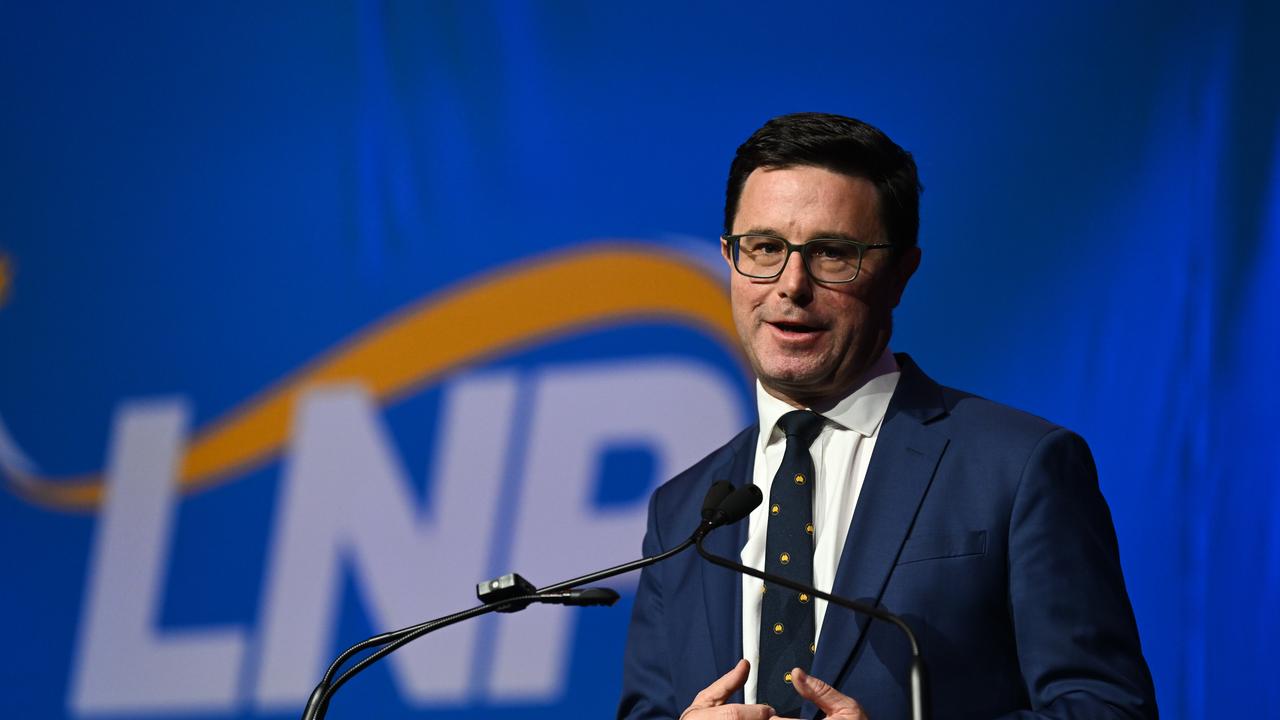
(805, 201)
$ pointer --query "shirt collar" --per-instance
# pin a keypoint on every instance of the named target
(861, 411)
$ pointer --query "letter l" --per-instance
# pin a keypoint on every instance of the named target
(125, 663)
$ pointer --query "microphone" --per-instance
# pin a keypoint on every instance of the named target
(716, 495)
(738, 505)
(511, 593)
(581, 598)
(507, 592)
(714, 514)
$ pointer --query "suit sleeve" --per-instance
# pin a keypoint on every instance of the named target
(1077, 639)
(648, 692)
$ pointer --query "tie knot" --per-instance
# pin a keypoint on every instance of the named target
(802, 424)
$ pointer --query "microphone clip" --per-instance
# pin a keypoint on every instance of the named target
(512, 593)
(502, 589)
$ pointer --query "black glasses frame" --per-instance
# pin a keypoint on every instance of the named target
(735, 240)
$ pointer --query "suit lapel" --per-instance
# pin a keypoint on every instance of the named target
(902, 467)
(722, 588)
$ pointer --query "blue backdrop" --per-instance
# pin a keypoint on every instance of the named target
(313, 315)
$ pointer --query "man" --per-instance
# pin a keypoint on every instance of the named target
(982, 526)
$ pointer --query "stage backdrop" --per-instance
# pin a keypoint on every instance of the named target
(314, 315)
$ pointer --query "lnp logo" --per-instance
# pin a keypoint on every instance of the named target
(345, 507)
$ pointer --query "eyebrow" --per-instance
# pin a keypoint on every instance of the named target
(820, 235)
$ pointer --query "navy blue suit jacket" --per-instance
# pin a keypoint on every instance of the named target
(981, 525)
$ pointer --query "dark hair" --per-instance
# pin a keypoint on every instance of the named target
(840, 144)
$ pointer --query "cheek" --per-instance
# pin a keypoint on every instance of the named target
(743, 298)
(847, 309)
(740, 309)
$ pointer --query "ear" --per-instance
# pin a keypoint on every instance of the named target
(906, 266)
(724, 252)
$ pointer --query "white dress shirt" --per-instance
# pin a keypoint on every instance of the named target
(841, 454)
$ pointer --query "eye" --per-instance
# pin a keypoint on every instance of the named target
(833, 250)
(762, 245)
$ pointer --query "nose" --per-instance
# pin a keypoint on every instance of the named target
(794, 282)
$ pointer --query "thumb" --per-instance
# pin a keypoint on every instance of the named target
(830, 701)
(719, 692)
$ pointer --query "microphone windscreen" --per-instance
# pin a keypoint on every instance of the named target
(716, 495)
(595, 596)
(740, 503)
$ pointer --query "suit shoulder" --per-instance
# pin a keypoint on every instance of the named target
(965, 417)
(973, 417)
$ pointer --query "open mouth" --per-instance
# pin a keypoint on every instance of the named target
(791, 327)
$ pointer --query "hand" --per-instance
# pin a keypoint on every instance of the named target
(835, 704)
(710, 703)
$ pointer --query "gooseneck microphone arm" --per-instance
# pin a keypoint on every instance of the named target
(721, 506)
(397, 639)
(919, 680)
(318, 703)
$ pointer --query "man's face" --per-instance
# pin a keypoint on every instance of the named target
(809, 342)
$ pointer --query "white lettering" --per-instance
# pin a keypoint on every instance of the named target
(125, 664)
(347, 505)
(346, 500)
(678, 409)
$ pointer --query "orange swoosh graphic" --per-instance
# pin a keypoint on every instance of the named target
(6, 278)
(404, 352)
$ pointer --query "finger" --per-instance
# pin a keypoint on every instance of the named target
(730, 712)
(828, 699)
(733, 712)
(722, 689)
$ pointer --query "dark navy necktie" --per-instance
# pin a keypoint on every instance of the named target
(787, 637)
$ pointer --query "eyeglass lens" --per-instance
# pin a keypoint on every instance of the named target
(762, 256)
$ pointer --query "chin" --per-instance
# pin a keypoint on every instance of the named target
(802, 370)
(796, 383)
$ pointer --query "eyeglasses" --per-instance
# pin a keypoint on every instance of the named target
(827, 260)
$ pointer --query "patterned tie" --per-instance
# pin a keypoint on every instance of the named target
(786, 617)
